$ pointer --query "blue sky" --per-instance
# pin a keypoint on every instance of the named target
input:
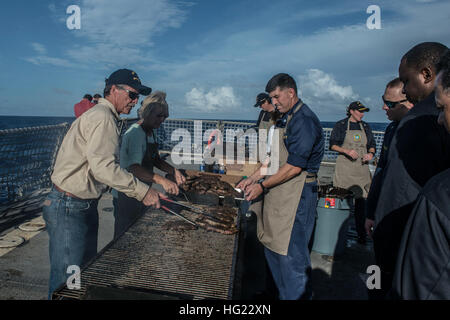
(211, 57)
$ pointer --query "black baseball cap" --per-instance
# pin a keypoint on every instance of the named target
(356, 105)
(130, 78)
(260, 98)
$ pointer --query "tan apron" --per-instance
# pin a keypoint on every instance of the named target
(256, 206)
(276, 219)
(265, 125)
(151, 154)
(353, 174)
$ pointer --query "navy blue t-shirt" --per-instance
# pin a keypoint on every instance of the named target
(305, 140)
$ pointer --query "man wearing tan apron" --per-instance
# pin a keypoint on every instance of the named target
(287, 219)
(354, 141)
(264, 123)
(264, 120)
(267, 288)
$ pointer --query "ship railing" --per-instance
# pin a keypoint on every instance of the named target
(27, 155)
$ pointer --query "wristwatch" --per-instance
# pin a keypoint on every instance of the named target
(264, 189)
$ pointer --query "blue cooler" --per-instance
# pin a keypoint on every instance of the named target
(330, 234)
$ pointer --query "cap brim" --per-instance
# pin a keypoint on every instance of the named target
(143, 90)
(364, 109)
(256, 105)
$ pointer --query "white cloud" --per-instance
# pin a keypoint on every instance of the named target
(42, 58)
(39, 48)
(130, 23)
(107, 55)
(217, 99)
(121, 32)
(319, 84)
(115, 32)
(324, 94)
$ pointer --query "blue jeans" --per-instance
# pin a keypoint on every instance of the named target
(292, 273)
(72, 226)
(126, 211)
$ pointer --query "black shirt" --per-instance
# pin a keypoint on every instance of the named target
(263, 116)
(377, 180)
(420, 149)
(423, 269)
(340, 128)
(304, 138)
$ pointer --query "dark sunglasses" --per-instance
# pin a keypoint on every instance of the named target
(133, 95)
(392, 104)
(261, 102)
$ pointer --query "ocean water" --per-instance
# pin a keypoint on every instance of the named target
(12, 122)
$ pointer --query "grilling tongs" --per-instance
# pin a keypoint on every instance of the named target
(178, 215)
(192, 209)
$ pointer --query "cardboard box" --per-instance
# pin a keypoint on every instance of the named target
(246, 169)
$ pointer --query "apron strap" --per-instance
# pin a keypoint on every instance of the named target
(289, 118)
(295, 110)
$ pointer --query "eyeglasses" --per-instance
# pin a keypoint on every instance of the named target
(392, 104)
(133, 95)
(268, 100)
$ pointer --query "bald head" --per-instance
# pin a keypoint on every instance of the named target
(395, 103)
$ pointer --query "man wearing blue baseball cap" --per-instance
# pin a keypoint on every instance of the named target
(85, 167)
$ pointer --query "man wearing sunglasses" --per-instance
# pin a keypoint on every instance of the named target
(85, 166)
(417, 153)
(263, 101)
(396, 106)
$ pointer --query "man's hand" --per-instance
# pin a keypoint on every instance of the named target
(151, 198)
(169, 186)
(367, 157)
(179, 178)
(244, 184)
(254, 191)
(352, 154)
(369, 227)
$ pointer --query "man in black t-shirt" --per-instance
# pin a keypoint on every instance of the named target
(418, 152)
(423, 270)
(396, 106)
(264, 102)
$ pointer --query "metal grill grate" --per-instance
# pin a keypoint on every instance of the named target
(195, 263)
